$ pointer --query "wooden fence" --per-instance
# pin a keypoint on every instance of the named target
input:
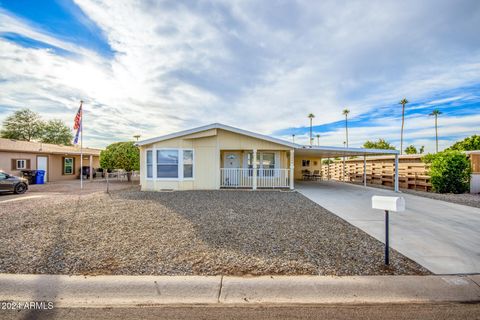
(413, 173)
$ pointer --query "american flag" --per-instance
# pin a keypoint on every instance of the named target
(78, 118)
(77, 123)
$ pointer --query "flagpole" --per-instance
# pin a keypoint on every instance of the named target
(81, 144)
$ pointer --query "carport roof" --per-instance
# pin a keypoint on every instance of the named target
(332, 152)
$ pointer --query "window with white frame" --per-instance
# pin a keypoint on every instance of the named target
(167, 163)
(149, 164)
(188, 164)
(21, 164)
(171, 164)
(68, 166)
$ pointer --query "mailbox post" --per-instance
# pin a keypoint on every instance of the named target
(395, 204)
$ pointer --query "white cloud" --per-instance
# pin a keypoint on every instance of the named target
(257, 65)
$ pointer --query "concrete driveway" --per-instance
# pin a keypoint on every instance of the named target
(441, 236)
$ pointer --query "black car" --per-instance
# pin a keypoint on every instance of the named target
(13, 184)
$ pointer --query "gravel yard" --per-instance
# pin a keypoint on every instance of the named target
(186, 233)
(466, 199)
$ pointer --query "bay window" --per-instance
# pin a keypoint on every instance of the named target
(188, 163)
(149, 164)
(170, 164)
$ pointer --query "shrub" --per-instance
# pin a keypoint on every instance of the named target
(121, 155)
(449, 171)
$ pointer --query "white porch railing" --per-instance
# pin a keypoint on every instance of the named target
(243, 178)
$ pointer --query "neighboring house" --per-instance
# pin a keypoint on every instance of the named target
(59, 162)
(219, 156)
(475, 177)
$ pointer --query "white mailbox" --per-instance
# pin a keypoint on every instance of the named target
(396, 204)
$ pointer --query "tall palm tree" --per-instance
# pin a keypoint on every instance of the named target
(293, 138)
(311, 116)
(345, 112)
(318, 139)
(436, 113)
(403, 102)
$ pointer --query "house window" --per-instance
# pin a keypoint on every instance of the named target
(149, 164)
(305, 163)
(167, 164)
(21, 164)
(265, 160)
(188, 163)
(67, 165)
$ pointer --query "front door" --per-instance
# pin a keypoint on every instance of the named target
(42, 164)
(231, 162)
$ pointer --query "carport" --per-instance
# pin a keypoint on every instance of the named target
(326, 152)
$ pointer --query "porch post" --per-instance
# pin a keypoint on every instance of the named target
(90, 162)
(364, 170)
(254, 186)
(396, 173)
(292, 167)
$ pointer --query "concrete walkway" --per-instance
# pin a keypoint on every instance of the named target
(441, 236)
(137, 291)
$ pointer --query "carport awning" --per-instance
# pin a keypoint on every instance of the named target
(333, 152)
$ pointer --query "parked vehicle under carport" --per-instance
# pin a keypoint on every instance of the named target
(9, 183)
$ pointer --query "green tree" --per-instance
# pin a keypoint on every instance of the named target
(449, 171)
(436, 113)
(403, 102)
(56, 132)
(345, 112)
(411, 149)
(121, 155)
(379, 144)
(311, 116)
(467, 144)
(23, 125)
(422, 150)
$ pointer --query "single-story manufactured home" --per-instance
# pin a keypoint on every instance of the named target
(59, 162)
(219, 156)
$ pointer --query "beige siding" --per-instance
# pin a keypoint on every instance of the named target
(207, 146)
(6, 161)
(298, 165)
(232, 141)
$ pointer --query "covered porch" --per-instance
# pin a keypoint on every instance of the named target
(253, 169)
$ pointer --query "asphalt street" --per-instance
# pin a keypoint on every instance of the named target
(451, 311)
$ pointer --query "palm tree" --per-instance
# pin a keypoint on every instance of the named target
(318, 139)
(436, 113)
(403, 102)
(345, 112)
(293, 138)
(137, 136)
(311, 116)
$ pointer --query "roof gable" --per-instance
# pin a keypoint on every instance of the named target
(217, 126)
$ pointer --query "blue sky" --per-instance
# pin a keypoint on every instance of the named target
(152, 67)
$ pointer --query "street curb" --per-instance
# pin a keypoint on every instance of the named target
(127, 291)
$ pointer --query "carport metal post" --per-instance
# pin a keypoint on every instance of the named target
(328, 169)
(396, 173)
(364, 170)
